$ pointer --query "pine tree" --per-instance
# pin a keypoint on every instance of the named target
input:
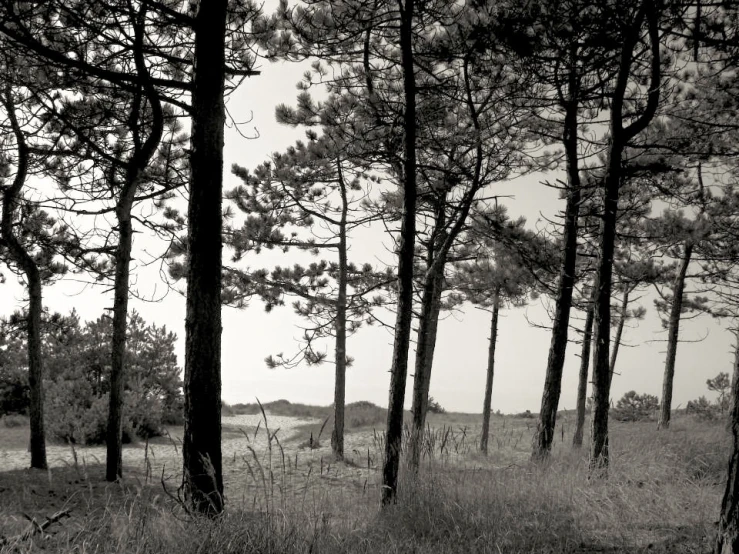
(316, 191)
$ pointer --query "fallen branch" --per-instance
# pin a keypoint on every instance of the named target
(34, 528)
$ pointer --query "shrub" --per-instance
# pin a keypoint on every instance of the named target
(364, 414)
(71, 416)
(14, 397)
(14, 420)
(144, 416)
(635, 407)
(703, 409)
(435, 407)
(722, 385)
(173, 411)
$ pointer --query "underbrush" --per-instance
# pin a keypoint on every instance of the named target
(10, 421)
(662, 495)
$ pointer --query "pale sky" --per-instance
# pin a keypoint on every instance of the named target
(461, 354)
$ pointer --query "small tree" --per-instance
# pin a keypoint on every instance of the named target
(722, 385)
(507, 269)
(310, 198)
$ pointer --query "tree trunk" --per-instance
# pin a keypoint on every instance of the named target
(428, 324)
(35, 369)
(620, 136)
(203, 476)
(490, 373)
(727, 539)
(619, 333)
(558, 346)
(399, 368)
(337, 436)
(138, 162)
(114, 436)
(678, 289)
(602, 325)
(582, 383)
(35, 301)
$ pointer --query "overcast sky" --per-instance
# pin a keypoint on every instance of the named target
(458, 377)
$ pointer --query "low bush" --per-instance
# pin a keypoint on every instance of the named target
(11, 421)
(364, 414)
(704, 410)
(635, 407)
(74, 415)
(435, 407)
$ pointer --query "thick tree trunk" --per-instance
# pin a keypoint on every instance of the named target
(428, 324)
(203, 476)
(582, 383)
(35, 302)
(558, 346)
(114, 436)
(337, 436)
(619, 333)
(673, 331)
(727, 540)
(486, 406)
(399, 368)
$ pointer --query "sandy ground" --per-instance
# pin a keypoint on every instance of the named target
(280, 473)
(164, 454)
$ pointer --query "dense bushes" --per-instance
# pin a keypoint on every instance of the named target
(77, 365)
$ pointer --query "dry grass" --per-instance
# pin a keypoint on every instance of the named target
(662, 495)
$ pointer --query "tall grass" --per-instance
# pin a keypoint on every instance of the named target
(662, 495)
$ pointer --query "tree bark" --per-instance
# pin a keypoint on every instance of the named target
(727, 539)
(558, 346)
(673, 331)
(399, 368)
(428, 325)
(619, 334)
(337, 436)
(203, 476)
(490, 373)
(35, 302)
(582, 383)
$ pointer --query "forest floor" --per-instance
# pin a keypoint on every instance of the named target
(662, 494)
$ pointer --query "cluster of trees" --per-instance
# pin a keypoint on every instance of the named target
(76, 377)
(114, 115)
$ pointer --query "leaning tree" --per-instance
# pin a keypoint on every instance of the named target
(31, 241)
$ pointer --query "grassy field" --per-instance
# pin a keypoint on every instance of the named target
(662, 494)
